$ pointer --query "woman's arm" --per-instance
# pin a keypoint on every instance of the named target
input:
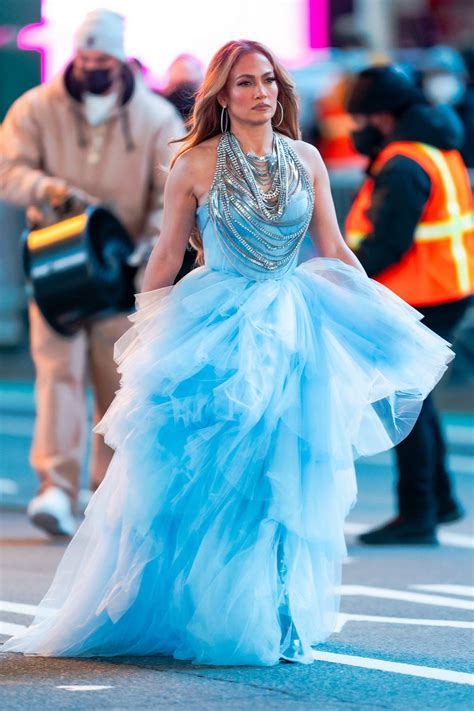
(323, 228)
(178, 221)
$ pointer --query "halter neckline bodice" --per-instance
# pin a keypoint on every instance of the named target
(260, 233)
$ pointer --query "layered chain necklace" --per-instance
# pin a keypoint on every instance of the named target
(248, 203)
(265, 180)
(264, 169)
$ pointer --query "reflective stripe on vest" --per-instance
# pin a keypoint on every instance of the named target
(439, 266)
(454, 226)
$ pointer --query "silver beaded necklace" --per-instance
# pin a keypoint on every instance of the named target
(264, 169)
(272, 201)
(248, 201)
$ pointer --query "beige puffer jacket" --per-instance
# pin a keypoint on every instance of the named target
(122, 162)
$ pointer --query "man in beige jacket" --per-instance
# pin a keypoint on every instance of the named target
(97, 133)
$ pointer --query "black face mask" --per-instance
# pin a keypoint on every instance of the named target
(97, 81)
(368, 140)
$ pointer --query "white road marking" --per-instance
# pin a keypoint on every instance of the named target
(20, 424)
(460, 434)
(20, 608)
(458, 463)
(456, 540)
(89, 687)
(10, 628)
(384, 593)
(344, 617)
(8, 487)
(466, 590)
(17, 425)
(436, 673)
(461, 463)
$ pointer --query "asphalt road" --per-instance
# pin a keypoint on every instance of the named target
(405, 637)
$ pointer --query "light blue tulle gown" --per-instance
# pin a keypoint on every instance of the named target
(217, 534)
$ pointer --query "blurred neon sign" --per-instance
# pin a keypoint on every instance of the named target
(156, 33)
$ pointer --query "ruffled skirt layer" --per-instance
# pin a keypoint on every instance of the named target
(217, 534)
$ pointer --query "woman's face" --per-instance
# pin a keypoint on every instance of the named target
(251, 91)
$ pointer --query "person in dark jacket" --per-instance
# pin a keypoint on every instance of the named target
(396, 229)
(447, 78)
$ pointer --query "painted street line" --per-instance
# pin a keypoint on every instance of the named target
(18, 608)
(384, 593)
(10, 628)
(344, 659)
(465, 590)
(460, 434)
(456, 540)
(16, 426)
(461, 464)
(89, 687)
(458, 463)
(449, 675)
(8, 487)
(344, 618)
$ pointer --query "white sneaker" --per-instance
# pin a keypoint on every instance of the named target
(52, 512)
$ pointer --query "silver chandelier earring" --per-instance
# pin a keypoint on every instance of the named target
(224, 120)
(281, 119)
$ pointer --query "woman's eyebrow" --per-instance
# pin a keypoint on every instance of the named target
(251, 76)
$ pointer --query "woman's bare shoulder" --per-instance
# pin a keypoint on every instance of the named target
(205, 151)
(305, 150)
(309, 155)
(196, 167)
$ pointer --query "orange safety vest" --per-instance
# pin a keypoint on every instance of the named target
(439, 266)
(335, 125)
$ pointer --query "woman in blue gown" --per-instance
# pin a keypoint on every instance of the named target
(247, 391)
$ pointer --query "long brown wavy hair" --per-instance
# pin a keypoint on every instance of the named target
(205, 121)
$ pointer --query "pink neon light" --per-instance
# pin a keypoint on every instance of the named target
(302, 27)
(30, 38)
(318, 24)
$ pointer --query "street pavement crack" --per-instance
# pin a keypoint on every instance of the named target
(252, 685)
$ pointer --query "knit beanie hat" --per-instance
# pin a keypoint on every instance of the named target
(382, 88)
(102, 30)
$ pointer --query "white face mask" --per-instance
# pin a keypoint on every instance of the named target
(98, 107)
(443, 89)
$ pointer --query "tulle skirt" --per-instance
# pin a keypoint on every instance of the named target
(217, 534)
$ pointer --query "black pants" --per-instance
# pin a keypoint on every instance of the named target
(424, 486)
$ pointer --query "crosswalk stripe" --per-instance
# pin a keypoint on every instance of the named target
(458, 463)
(436, 673)
(466, 590)
(448, 675)
(84, 687)
(460, 434)
(387, 594)
(10, 628)
(345, 617)
(18, 608)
